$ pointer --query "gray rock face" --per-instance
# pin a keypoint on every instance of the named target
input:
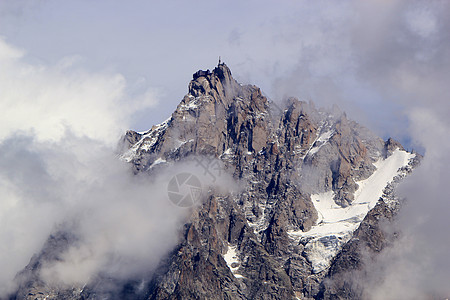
(281, 158)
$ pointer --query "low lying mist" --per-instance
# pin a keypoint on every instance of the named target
(59, 171)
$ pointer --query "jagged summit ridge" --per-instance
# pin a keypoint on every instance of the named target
(215, 104)
(219, 83)
(303, 153)
(302, 169)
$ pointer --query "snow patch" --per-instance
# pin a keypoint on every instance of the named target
(232, 260)
(325, 136)
(193, 103)
(228, 152)
(190, 105)
(158, 161)
(147, 141)
(336, 224)
(321, 140)
(259, 224)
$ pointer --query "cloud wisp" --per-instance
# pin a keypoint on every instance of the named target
(59, 169)
(399, 54)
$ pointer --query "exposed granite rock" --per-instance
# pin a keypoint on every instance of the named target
(390, 146)
(280, 159)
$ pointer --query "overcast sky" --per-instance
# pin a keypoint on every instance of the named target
(324, 51)
(75, 75)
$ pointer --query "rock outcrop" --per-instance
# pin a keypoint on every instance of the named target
(281, 157)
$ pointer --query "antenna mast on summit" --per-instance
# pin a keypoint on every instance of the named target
(219, 60)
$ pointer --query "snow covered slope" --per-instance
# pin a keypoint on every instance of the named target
(232, 260)
(336, 224)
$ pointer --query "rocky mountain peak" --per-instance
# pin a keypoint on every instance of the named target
(391, 145)
(310, 177)
(219, 83)
(217, 115)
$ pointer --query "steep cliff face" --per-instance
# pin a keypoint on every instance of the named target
(308, 179)
(284, 156)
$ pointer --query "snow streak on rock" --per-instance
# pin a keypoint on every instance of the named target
(232, 260)
(336, 224)
(146, 142)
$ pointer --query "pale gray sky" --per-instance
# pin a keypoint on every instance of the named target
(325, 51)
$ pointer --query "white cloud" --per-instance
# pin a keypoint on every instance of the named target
(59, 128)
(421, 21)
(47, 100)
(59, 169)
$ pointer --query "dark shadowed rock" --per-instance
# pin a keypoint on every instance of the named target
(280, 157)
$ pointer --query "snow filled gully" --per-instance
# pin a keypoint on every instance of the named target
(232, 260)
(335, 224)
